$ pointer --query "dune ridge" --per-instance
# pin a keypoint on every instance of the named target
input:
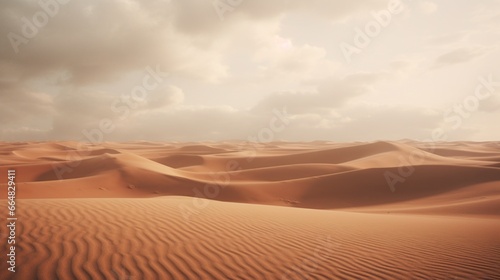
(238, 210)
(320, 175)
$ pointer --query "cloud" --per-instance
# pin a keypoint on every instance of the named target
(492, 104)
(354, 122)
(163, 98)
(226, 76)
(390, 123)
(191, 124)
(77, 111)
(365, 123)
(19, 105)
(108, 40)
(95, 41)
(282, 57)
(330, 94)
(226, 123)
(458, 56)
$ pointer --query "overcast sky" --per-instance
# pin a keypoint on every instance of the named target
(197, 70)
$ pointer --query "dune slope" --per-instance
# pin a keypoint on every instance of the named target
(236, 210)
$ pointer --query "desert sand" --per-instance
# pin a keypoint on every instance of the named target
(236, 210)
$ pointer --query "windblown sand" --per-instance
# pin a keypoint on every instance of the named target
(231, 210)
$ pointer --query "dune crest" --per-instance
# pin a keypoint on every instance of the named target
(320, 175)
(234, 210)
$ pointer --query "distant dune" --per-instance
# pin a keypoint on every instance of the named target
(235, 210)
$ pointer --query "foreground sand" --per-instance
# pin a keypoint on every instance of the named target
(149, 239)
(234, 211)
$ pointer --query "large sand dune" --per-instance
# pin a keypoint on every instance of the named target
(236, 210)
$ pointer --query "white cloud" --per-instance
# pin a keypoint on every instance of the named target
(282, 57)
(226, 76)
(331, 93)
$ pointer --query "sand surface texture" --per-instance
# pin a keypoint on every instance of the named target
(232, 210)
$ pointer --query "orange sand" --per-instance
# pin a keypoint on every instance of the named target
(230, 210)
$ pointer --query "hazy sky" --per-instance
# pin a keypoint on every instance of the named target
(341, 70)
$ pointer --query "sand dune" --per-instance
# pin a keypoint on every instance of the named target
(145, 210)
(312, 175)
(149, 239)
